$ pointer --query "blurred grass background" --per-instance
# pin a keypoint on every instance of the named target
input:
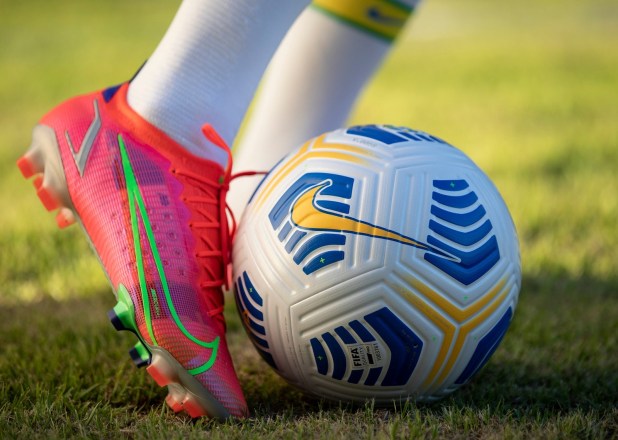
(528, 89)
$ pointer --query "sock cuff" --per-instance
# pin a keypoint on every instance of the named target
(381, 18)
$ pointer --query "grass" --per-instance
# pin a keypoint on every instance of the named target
(528, 90)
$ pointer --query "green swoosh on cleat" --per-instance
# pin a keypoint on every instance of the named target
(138, 206)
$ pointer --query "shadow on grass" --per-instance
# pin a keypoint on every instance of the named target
(560, 355)
(504, 389)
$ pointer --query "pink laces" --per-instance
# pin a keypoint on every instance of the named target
(221, 217)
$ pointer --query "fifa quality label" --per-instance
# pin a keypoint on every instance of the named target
(365, 355)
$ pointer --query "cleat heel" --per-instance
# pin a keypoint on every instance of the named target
(140, 355)
(43, 159)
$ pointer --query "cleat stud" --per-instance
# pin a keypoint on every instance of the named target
(140, 355)
(122, 316)
(193, 408)
(65, 218)
(158, 375)
(49, 200)
(26, 166)
(162, 372)
(38, 182)
(114, 318)
(174, 403)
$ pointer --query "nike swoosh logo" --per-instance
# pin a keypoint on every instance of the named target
(139, 215)
(376, 15)
(306, 214)
(81, 157)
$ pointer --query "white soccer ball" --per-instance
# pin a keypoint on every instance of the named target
(376, 262)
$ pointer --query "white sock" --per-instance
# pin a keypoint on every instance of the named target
(207, 67)
(310, 87)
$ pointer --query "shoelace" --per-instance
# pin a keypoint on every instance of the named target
(214, 195)
(234, 177)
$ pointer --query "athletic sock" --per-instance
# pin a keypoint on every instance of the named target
(323, 63)
(207, 67)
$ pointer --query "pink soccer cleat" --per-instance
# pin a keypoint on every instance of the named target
(155, 215)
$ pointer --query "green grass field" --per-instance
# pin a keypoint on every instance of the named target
(528, 89)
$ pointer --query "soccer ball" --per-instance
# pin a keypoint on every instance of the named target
(376, 262)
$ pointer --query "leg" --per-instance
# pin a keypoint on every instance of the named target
(324, 62)
(207, 67)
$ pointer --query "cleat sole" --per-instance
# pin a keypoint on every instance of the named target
(195, 399)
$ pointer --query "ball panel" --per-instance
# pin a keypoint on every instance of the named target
(351, 321)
